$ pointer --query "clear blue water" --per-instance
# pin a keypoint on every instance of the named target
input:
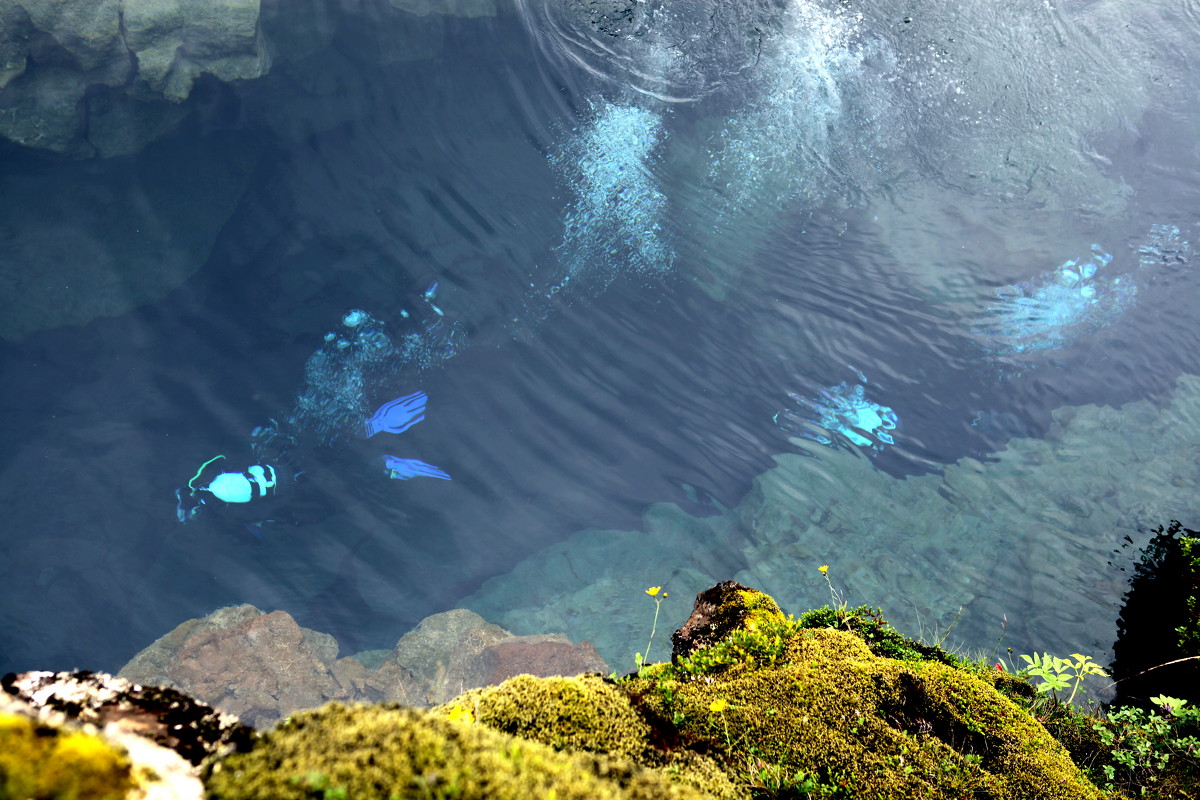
(654, 236)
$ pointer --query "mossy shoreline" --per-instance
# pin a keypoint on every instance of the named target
(754, 704)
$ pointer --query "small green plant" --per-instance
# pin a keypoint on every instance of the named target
(318, 786)
(765, 779)
(758, 647)
(771, 780)
(1151, 748)
(1056, 674)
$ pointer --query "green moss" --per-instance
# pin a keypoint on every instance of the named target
(868, 624)
(873, 726)
(389, 752)
(53, 764)
(588, 714)
(578, 714)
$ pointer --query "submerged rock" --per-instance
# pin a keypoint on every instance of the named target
(456, 650)
(454, 8)
(257, 666)
(1022, 538)
(54, 55)
(73, 72)
(262, 667)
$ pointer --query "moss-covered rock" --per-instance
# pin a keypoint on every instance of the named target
(719, 612)
(387, 751)
(38, 761)
(579, 714)
(820, 706)
(787, 708)
(590, 714)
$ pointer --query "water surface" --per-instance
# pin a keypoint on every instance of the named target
(652, 233)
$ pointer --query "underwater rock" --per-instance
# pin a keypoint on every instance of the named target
(262, 667)
(86, 78)
(152, 665)
(257, 666)
(453, 8)
(1021, 540)
(542, 656)
(173, 43)
(54, 53)
(456, 650)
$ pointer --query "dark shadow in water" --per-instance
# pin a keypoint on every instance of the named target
(1156, 606)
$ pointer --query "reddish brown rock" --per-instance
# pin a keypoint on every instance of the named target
(150, 666)
(260, 669)
(437, 660)
(457, 650)
(541, 656)
(263, 667)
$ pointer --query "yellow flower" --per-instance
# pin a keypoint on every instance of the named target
(654, 590)
(824, 569)
(717, 706)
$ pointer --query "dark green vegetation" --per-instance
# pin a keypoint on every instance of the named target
(1158, 644)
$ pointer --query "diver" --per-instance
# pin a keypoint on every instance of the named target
(255, 484)
(250, 495)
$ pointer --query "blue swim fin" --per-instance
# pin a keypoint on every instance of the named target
(399, 415)
(405, 468)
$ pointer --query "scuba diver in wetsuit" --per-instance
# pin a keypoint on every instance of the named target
(251, 495)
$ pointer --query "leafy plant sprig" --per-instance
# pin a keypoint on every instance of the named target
(1057, 673)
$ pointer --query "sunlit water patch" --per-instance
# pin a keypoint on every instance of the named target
(1050, 311)
(840, 412)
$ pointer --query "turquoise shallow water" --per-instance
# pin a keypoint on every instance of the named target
(695, 290)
